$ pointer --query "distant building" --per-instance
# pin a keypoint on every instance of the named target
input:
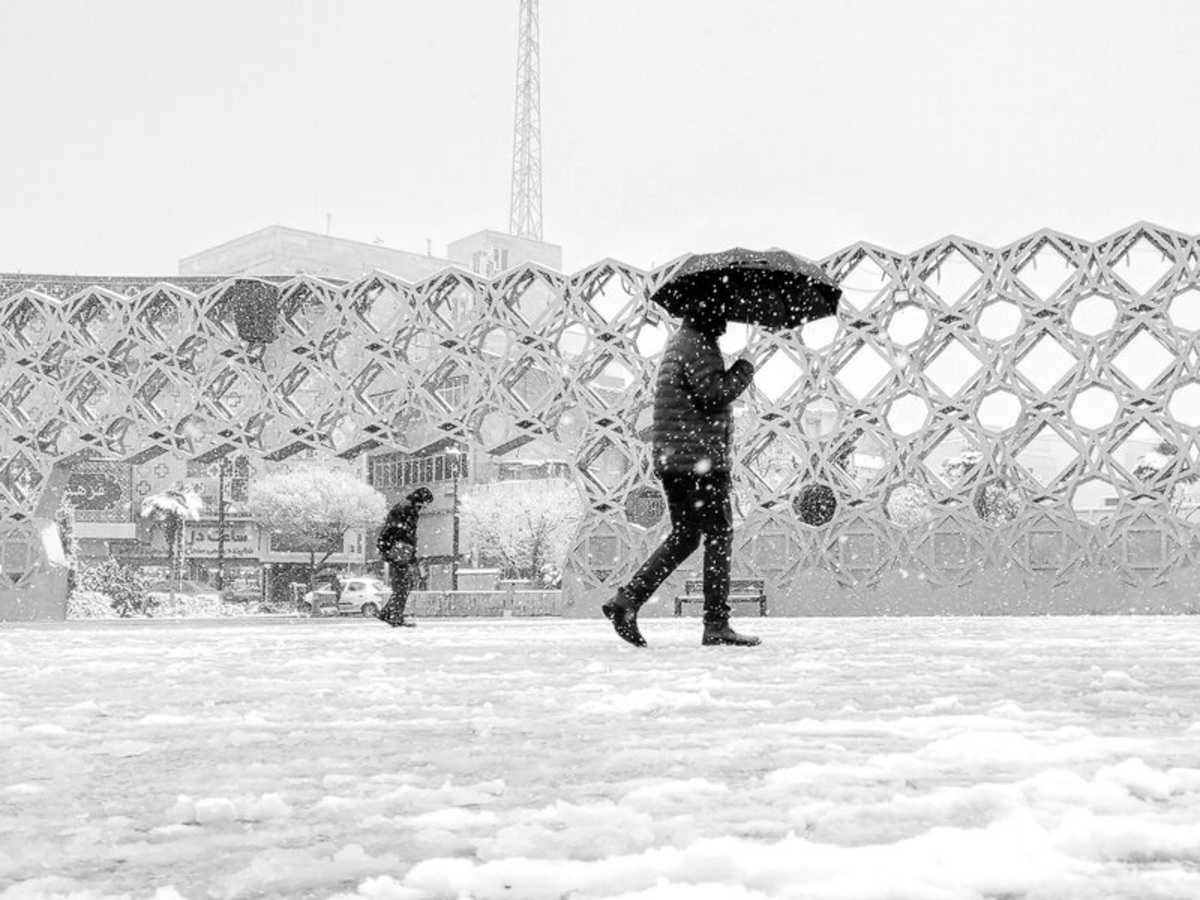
(491, 252)
(278, 250)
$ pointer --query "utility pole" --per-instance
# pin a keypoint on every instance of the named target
(456, 454)
(222, 471)
(525, 206)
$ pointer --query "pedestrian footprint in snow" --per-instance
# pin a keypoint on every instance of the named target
(397, 544)
(692, 428)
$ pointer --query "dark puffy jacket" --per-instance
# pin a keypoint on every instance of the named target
(400, 525)
(693, 404)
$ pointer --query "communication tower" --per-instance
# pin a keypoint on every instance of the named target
(525, 208)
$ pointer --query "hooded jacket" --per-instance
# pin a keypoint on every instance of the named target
(401, 522)
(692, 429)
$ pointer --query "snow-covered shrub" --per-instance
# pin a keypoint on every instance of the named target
(189, 606)
(908, 506)
(90, 605)
(120, 583)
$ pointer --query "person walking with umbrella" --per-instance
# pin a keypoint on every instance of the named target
(692, 428)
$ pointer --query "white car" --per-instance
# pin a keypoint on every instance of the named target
(361, 596)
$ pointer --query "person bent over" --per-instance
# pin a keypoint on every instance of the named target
(397, 544)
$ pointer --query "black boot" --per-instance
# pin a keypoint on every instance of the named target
(719, 633)
(624, 621)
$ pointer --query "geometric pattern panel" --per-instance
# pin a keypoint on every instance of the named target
(1032, 408)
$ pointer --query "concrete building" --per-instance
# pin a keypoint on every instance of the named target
(278, 250)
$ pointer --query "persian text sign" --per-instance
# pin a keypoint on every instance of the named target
(100, 491)
(204, 539)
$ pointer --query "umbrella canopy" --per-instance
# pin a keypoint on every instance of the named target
(772, 288)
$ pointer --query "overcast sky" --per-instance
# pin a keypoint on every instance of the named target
(136, 132)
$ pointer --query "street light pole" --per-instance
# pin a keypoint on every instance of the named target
(454, 537)
(457, 454)
(222, 471)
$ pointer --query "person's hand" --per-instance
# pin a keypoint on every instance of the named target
(749, 356)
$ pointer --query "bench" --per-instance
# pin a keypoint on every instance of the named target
(741, 590)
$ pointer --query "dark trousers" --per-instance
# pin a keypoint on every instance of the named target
(401, 578)
(701, 509)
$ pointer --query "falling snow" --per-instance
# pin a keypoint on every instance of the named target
(881, 758)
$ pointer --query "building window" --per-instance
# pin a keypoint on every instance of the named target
(453, 390)
(397, 470)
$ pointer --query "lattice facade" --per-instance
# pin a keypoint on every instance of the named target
(1024, 415)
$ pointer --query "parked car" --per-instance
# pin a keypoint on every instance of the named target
(361, 596)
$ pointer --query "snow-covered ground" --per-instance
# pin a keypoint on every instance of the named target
(855, 758)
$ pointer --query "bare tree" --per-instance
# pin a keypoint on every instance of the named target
(527, 531)
(314, 507)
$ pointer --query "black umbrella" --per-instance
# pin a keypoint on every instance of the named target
(774, 289)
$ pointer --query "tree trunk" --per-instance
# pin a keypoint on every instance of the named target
(172, 536)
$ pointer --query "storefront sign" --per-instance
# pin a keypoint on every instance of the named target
(100, 491)
(203, 539)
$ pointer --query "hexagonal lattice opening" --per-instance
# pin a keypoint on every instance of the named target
(1046, 456)
(952, 458)
(1000, 320)
(1094, 408)
(453, 303)
(160, 315)
(532, 385)
(1045, 271)
(1143, 360)
(815, 505)
(611, 384)
(494, 430)
(819, 334)
(608, 293)
(907, 414)
(908, 324)
(90, 397)
(1045, 364)
(1143, 264)
(908, 505)
(305, 310)
(20, 476)
(952, 368)
(380, 306)
(97, 318)
(778, 375)
(496, 343)
(606, 463)
(574, 342)
(533, 300)
(819, 418)
(1184, 404)
(861, 457)
(1145, 453)
(863, 283)
(1185, 310)
(999, 411)
(775, 460)
(996, 501)
(651, 339)
(1094, 500)
(17, 565)
(570, 426)
(952, 276)
(1093, 315)
(863, 372)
